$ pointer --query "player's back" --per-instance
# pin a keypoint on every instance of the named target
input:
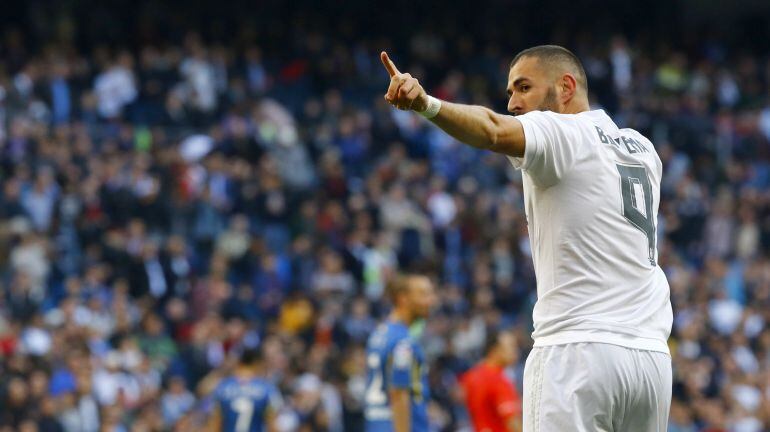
(591, 193)
(244, 403)
(394, 360)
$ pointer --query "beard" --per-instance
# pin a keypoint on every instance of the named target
(549, 102)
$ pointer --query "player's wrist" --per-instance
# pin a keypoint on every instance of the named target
(432, 108)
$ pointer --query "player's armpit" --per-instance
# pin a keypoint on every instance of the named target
(508, 136)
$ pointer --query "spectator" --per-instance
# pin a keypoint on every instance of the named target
(115, 87)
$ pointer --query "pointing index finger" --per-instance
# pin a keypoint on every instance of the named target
(389, 66)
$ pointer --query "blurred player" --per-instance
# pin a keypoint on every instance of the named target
(492, 400)
(600, 360)
(396, 380)
(244, 401)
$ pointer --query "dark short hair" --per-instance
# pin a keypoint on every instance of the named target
(554, 56)
(493, 339)
(250, 356)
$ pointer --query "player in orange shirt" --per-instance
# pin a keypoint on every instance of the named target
(492, 400)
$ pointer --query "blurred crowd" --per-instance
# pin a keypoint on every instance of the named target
(165, 204)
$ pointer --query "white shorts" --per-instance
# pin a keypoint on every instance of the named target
(590, 387)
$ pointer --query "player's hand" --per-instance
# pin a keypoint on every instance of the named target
(404, 92)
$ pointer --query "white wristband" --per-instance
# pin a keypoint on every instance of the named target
(434, 105)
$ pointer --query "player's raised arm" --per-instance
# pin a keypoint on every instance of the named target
(474, 125)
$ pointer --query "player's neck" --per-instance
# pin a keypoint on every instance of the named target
(401, 316)
(493, 362)
(245, 372)
(576, 105)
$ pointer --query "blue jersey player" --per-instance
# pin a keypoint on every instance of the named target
(245, 402)
(396, 395)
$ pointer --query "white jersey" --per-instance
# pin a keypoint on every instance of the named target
(591, 195)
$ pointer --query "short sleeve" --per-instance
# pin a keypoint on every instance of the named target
(402, 361)
(552, 143)
(507, 400)
(217, 393)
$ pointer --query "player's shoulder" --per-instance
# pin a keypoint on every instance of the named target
(395, 329)
(223, 385)
(469, 376)
(646, 145)
(628, 140)
(263, 387)
(227, 380)
(633, 132)
(546, 118)
(399, 336)
(258, 381)
(572, 127)
(385, 335)
(595, 118)
(378, 337)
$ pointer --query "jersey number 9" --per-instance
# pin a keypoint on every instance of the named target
(637, 203)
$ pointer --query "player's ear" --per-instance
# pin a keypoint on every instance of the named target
(568, 87)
